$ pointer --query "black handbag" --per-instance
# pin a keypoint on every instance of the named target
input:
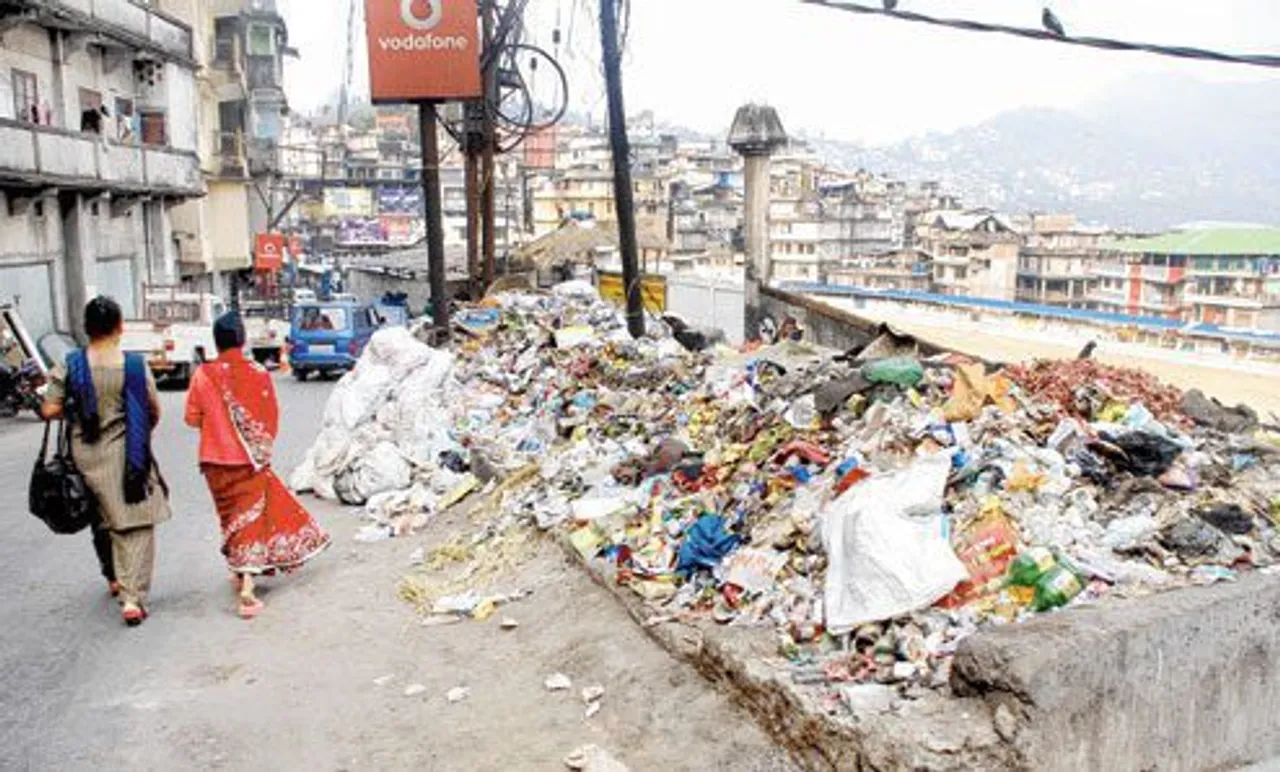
(59, 494)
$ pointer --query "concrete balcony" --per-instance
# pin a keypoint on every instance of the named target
(1192, 297)
(128, 21)
(1163, 274)
(1110, 269)
(45, 157)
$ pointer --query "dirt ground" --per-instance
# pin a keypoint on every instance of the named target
(1256, 387)
(197, 688)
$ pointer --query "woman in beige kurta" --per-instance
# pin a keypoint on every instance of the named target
(103, 461)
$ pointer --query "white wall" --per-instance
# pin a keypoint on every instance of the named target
(183, 103)
(708, 302)
(27, 48)
(30, 248)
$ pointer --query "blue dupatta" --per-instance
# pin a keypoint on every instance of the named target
(138, 418)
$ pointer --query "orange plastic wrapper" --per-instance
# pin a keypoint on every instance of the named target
(973, 390)
(986, 546)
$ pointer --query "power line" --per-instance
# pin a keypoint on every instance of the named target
(1106, 44)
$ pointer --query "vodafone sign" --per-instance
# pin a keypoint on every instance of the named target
(423, 49)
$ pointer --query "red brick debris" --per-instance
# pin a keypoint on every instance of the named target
(1058, 381)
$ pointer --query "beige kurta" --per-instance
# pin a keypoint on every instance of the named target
(103, 462)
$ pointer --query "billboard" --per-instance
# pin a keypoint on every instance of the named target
(268, 252)
(423, 50)
(348, 202)
(540, 149)
(653, 291)
(405, 199)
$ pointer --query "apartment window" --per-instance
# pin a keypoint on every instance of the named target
(153, 128)
(91, 117)
(262, 40)
(125, 130)
(224, 42)
(26, 96)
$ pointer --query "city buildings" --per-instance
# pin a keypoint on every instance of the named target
(98, 140)
(1223, 276)
(240, 47)
(1057, 260)
(903, 269)
(975, 253)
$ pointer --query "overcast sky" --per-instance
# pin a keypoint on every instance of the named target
(849, 76)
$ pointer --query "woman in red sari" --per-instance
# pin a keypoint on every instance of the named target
(232, 401)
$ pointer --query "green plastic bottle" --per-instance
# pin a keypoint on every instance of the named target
(1028, 567)
(1056, 588)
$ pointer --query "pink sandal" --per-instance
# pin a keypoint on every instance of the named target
(250, 610)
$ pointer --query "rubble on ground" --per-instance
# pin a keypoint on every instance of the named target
(873, 510)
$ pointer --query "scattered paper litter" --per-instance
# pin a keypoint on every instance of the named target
(383, 680)
(413, 690)
(592, 693)
(592, 709)
(592, 758)
(509, 624)
(558, 683)
(459, 693)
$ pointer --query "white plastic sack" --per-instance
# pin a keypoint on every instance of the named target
(383, 469)
(576, 288)
(358, 395)
(887, 550)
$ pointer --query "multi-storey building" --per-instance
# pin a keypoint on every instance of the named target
(902, 269)
(1224, 276)
(1057, 259)
(862, 216)
(98, 140)
(241, 45)
(975, 254)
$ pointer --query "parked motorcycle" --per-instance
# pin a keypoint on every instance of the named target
(20, 388)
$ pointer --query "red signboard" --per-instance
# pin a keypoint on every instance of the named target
(268, 252)
(423, 49)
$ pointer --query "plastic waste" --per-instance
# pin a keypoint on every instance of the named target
(887, 550)
(899, 371)
(1029, 566)
(1056, 588)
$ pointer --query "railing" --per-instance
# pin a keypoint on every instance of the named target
(76, 159)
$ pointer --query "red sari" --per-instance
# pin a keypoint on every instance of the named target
(264, 527)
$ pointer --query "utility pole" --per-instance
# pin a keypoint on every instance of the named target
(623, 194)
(433, 206)
(471, 144)
(488, 9)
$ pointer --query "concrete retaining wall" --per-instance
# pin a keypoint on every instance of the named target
(1189, 680)
(824, 325)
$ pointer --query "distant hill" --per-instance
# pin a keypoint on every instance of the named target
(1155, 152)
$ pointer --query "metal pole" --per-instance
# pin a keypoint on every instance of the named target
(623, 193)
(473, 208)
(488, 9)
(433, 207)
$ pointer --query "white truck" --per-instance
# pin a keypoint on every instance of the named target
(266, 327)
(175, 333)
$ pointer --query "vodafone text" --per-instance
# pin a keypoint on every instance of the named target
(423, 43)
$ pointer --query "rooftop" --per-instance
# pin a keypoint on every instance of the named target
(1214, 241)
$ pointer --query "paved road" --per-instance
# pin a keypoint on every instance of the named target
(75, 680)
(197, 688)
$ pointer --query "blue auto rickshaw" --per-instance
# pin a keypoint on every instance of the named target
(328, 338)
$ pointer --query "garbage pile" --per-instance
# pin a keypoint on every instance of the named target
(871, 506)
